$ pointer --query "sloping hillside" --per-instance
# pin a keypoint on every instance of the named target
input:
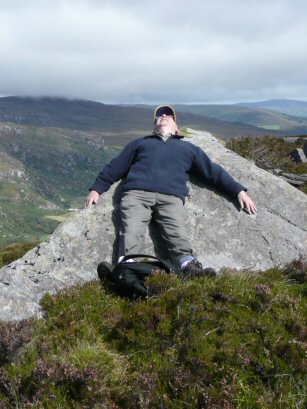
(287, 106)
(43, 173)
(22, 207)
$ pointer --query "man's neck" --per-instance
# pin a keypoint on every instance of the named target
(163, 135)
(163, 131)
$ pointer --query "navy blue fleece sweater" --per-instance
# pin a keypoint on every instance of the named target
(154, 165)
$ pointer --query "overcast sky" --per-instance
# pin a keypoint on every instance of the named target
(139, 51)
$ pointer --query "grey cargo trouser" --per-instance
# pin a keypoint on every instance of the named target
(138, 207)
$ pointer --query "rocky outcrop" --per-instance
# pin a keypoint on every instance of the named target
(294, 179)
(222, 235)
(299, 154)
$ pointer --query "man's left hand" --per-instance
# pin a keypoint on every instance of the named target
(246, 203)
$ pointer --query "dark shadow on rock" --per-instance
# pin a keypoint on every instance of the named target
(116, 220)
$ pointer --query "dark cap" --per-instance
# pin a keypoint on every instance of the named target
(164, 109)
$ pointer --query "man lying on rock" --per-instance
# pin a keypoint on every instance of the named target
(156, 169)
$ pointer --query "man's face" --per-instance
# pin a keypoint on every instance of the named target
(166, 124)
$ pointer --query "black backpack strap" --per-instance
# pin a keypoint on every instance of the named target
(168, 267)
(125, 258)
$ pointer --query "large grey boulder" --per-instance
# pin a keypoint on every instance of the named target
(222, 236)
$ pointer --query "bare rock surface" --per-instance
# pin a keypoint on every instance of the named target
(221, 234)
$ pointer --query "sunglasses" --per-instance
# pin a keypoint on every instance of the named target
(168, 116)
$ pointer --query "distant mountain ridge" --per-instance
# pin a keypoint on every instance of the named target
(267, 116)
(286, 106)
(71, 114)
(256, 116)
(112, 119)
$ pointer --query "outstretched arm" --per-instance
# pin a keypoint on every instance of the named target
(246, 202)
(219, 178)
(112, 172)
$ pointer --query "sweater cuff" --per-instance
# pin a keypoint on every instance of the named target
(239, 189)
(94, 187)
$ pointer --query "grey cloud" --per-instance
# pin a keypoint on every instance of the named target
(139, 52)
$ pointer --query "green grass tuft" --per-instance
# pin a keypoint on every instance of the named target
(185, 132)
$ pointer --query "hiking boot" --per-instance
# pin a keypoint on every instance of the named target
(195, 269)
(104, 270)
(209, 272)
(192, 269)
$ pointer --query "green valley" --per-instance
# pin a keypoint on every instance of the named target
(44, 173)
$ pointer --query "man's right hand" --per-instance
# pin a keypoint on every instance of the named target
(92, 198)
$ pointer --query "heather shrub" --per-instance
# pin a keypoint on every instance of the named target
(14, 252)
(269, 152)
(238, 341)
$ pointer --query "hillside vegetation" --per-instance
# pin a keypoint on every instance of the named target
(14, 252)
(43, 173)
(238, 341)
(269, 152)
